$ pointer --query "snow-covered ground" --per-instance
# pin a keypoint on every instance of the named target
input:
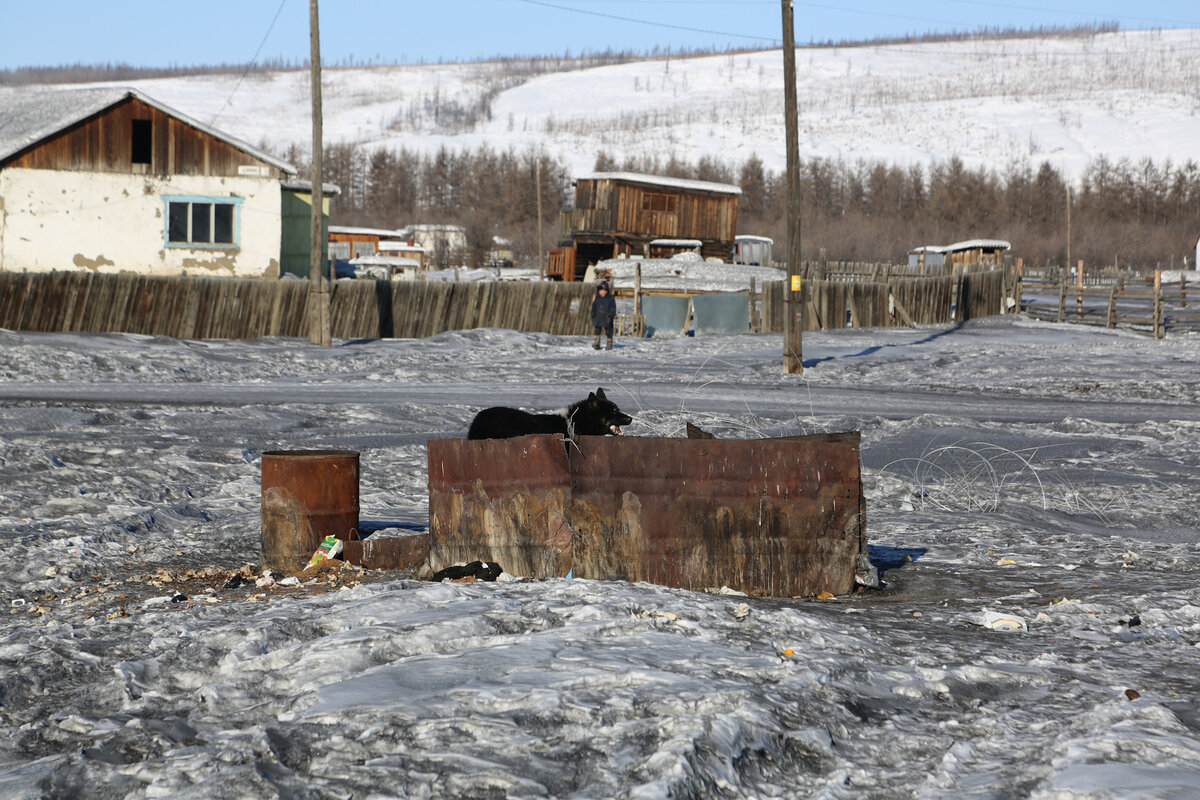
(994, 103)
(1049, 472)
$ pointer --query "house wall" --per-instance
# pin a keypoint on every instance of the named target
(444, 247)
(112, 222)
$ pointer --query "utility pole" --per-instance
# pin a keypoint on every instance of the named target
(1068, 227)
(793, 362)
(541, 242)
(318, 291)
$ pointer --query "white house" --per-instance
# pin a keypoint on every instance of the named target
(445, 245)
(108, 179)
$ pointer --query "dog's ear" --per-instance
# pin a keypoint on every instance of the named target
(600, 394)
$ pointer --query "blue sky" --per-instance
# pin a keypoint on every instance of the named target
(174, 33)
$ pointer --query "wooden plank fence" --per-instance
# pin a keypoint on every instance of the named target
(905, 301)
(193, 307)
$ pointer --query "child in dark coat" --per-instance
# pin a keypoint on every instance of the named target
(604, 311)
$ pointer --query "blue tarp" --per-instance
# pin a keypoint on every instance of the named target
(727, 312)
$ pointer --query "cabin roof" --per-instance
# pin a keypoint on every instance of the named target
(399, 247)
(969, 244)
(28, 116)
(676, 243)
(305, 187)
(667, 183)
(362, 231)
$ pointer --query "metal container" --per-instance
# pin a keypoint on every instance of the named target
(306, 496)
(779, 517)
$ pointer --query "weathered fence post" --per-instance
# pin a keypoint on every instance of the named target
(1160, 328)
(637, 290)
(1079, 296)
(1020, 284)
(1111, 319)
(755, 319)
(1062, 298)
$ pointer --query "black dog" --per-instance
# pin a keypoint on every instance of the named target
(595, 416)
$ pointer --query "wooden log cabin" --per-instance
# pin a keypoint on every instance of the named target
(620, 213)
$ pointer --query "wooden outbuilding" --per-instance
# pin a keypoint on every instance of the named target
(111, 180)
(971, 255)
(621, 213)
(347, 242)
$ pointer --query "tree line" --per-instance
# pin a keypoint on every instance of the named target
(1139, 214)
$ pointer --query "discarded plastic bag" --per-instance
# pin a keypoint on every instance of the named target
(998, 621)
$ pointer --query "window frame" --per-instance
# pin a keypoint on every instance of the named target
(191, 201)
(667, 201)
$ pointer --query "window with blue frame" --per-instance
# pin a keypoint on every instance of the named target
(203, 221)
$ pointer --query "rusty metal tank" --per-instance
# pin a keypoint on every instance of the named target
(779, 517)
(306, 496)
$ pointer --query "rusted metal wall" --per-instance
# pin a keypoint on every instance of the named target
(778, 517)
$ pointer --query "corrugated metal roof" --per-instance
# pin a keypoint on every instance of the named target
(27, 116)
(657, 180)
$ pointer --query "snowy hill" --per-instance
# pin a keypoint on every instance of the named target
(993, 103)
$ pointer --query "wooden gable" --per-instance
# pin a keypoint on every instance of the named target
(135, 137)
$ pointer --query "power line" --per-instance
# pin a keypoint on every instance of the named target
(651, 23)
(253, 59)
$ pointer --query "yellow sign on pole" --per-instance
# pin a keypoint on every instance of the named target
(795, 283)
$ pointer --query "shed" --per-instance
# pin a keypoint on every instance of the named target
(403, 249)
(111, 180)
(753, 250)
(966, 256)
(621, 213)
(348, 242)
(296, 234)
(665, 248)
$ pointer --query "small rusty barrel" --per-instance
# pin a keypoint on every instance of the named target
(306, 496)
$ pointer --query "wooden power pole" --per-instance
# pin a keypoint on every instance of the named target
(318, 291)
(541, 242)
(793, 361)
